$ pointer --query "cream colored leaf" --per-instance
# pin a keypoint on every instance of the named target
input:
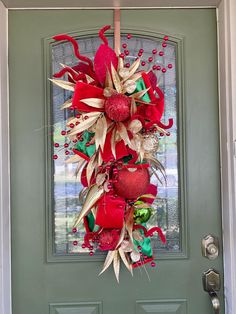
(113, 143)
(90, 168)
(71, 120)
(100, 160)
(136, 76)
(108, 82)
(116, 79)
(129, 86)
(64, 84)
(90, 115)
(94, 102)
(133, 108)
(134, 67)
(84, 125)
(101, 132)
(141, 154)
(66, 66)
(116, 265)
(129, 223)
(120, 64)
(79, 168)
(140, 94)
(147, 196)
(89, 78)
(94, 211)
(92, 197)
(125, 260)
(122, 235)
(109, 259)
(143, 205)
(127, 246)
(73, 159)
(66, 104)
(123, 133)
(124, 72)
(100, 178)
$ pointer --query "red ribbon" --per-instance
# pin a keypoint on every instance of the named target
(149, 233)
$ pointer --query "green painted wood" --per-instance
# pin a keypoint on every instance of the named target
(76, 308)
(36, 283)
(162, 307)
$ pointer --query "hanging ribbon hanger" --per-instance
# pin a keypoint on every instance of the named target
(117, 31)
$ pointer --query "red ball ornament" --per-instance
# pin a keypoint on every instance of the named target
(117, 107)
(132, 182)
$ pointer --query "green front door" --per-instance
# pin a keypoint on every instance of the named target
(49, 274)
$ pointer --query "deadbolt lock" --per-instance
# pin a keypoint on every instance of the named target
(210, 247)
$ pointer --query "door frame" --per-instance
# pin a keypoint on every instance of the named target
(226, 24)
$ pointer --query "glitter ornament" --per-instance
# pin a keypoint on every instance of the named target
(132, 182)
(117, 107)
(150, 143)
(142, 215)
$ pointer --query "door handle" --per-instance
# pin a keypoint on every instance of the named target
(211, 284)
(210, 247)
(215, 302)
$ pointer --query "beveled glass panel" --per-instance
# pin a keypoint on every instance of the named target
(66, 187)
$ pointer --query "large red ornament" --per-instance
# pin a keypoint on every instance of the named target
(117, 107)
(132, 182)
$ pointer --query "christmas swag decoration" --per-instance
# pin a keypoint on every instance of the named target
(117, 115)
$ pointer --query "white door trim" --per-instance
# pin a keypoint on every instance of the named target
(5, 223)
(227, 102)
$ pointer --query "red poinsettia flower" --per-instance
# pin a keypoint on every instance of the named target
(108, 239)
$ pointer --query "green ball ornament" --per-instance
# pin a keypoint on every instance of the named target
(142, 215)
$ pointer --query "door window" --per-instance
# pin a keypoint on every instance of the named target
(63, 202)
